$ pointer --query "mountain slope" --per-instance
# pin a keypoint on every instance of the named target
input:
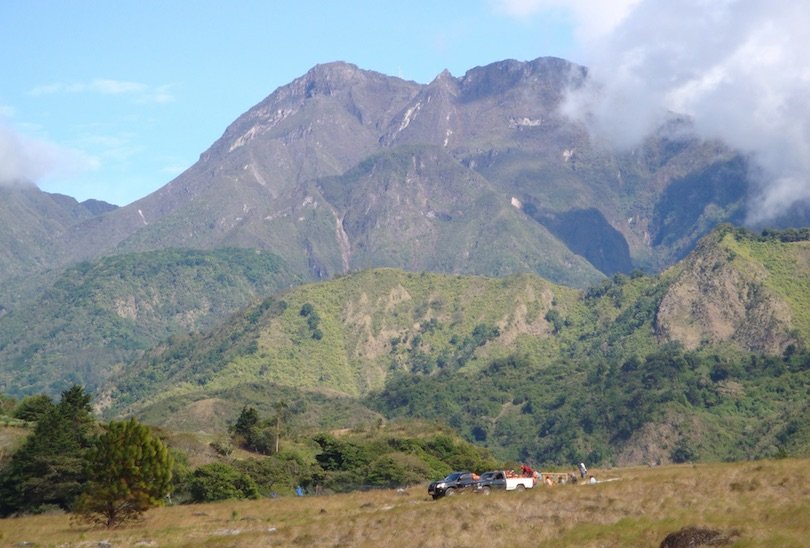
(349, 334)
(737, 289)
(97, 317)
(33, 223)
(609, 374)
(429, 212)
(248, 187)
(291, 176)
(725, 378)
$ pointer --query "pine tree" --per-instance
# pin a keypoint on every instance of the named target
(246, 428)
(47, 470)
(130, 471)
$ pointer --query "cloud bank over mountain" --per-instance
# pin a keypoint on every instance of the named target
(591, 18)
(739, 69)
(26, 160)
(138, 91)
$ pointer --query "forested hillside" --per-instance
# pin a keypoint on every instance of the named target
(530, 369)
(96, 317)
(350, 334)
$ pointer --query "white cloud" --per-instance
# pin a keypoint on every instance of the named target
(590, 17)
(104, 86)
(113, 148)
(160, 94)
(27, 160)
(739, 68)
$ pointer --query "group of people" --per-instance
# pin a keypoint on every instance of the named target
(526, 471)
(565, 478)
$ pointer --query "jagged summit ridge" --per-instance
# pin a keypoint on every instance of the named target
(261, 184)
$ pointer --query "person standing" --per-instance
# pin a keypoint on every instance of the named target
(582, 470)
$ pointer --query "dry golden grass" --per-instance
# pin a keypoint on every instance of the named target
(764, 503)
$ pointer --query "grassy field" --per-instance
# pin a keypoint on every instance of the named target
(760, 503)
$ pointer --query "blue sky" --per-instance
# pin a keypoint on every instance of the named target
(115, 98)
(112, 99)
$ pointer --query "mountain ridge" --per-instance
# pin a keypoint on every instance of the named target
(257, 185)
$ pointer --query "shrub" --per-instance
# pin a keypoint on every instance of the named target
(396, 470)
(222, 447)
(32, 408)
(682, 453)
(219, 481)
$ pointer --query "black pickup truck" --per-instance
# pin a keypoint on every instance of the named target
(452, 484)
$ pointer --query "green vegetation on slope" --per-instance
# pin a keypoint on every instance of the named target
(98, 316)
(212, 412)
(368, 325)
(666, 406)
(529, 369)
(785, 258)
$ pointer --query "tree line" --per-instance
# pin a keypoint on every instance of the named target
(109, 474)
(106, 474)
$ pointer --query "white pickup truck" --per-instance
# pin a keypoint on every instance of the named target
(499, 479)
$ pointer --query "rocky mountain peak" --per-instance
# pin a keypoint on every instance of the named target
(444, 76)
(502, 76)
(337, 84)
(325, 79)
(497, 125)
(444, 81)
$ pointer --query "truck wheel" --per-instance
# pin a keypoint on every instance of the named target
(450, 492)
(520, 487)
(485, 490)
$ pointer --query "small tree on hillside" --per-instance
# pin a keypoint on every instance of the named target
(282, 414)
(130, 471)
(246, 428)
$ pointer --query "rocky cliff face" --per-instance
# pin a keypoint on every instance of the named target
(498, 139)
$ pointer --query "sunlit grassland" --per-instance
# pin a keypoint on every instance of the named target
(786, 264)
(759, 503)
(359, 316)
